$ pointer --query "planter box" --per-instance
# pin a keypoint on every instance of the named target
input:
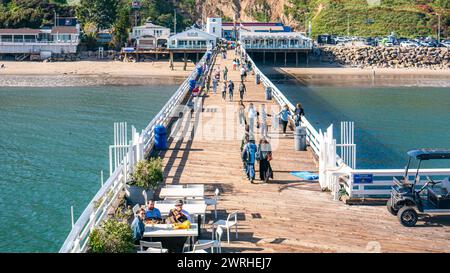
(134, 195)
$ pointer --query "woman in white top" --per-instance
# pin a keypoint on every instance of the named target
(251, 118)
(264, 128)
(242, 120)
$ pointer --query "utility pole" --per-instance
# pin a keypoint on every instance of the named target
(348, 25)
(175, 21)
(439, 27)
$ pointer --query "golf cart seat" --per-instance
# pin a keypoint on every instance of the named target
(439, 196)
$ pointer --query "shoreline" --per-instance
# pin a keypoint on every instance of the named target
(91, 73)
(100, 73)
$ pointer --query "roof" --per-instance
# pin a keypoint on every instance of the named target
(426, 154)
(26, 31)
(254, 24)
(274, 35)
(65, 29)
(185, 34)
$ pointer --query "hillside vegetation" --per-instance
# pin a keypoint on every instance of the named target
(408, 18)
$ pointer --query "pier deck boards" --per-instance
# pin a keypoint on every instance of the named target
(287, 214)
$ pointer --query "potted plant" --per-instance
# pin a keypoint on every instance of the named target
(146, 177)
(112, 237)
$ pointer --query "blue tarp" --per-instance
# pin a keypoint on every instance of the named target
(305, 175)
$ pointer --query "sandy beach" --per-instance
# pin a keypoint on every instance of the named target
(85, 73)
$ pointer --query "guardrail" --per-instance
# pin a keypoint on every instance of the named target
(307, 46)
(96, 210)
(366, 183)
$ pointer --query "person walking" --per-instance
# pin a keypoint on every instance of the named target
(264, 155)
(242, 90)
(224, 91)
(234, 65)
(215, 82)
(298, 113)
(249, 156)
(251, 118)
(225, 73)
(244, 141)
(284, 116)
(264, 126)
(243, 73)
(207, 85)
(231, 89)
(242, 120)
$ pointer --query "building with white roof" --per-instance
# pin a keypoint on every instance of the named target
(150, 36)
(192, 39)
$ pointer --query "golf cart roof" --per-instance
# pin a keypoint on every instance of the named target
(426, 154)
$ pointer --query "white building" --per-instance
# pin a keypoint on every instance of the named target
(214, 26)
(275, 40)
(150, 36)
(59, 39)
(192, 39)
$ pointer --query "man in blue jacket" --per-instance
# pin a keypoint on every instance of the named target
(249, 155)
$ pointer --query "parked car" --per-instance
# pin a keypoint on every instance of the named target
(433, 198)
(409, 43)
(445, 43)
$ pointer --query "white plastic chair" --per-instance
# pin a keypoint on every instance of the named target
(213, 202)
(228, 224)
(152, 247)
(201, 248)
(217, 239)
(144, 193)
(136, 209)
(195, 201)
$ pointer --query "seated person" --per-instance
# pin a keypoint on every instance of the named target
(138, 226)
(178, 214)
(152, 213)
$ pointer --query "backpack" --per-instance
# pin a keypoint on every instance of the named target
(245, 154)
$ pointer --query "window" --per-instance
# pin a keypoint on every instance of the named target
(214, 30)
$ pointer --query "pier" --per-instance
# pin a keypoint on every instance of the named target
(285, 215)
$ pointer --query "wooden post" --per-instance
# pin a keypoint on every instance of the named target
(296, 58)
(157, 56)
(185, 61)
(274, 57)
(285, 58)
(307, 59)
(264, 57)
(171, 60)
(196, 57)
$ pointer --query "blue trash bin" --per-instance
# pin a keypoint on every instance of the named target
(161, 138)
(192, 84)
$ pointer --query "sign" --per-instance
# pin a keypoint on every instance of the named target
(363, 179)
(192, 34)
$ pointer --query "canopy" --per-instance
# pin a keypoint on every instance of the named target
(426, 154)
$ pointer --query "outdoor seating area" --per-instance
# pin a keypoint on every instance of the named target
(164, 233)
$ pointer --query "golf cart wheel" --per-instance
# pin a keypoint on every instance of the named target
(407, 216)
(390, 208)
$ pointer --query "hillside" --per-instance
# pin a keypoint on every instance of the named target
(404, 17)
(407, 18)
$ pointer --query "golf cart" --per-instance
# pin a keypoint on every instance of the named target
(432, 198)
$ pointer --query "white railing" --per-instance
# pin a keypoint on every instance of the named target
(97, 209)
(378, 182)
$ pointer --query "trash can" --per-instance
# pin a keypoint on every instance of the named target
(268, 93)
(199, 70)
(192, 84)
(160, 137)
(257, 79)
(300, 138)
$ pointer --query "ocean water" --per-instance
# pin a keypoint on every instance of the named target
(389, 120)
(53, 144)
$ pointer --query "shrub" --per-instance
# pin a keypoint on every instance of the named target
(148, 173)
(112, 237)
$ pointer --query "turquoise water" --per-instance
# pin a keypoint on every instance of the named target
(53, 144)
(389, 121)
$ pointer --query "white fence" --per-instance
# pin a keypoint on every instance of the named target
(124, 155)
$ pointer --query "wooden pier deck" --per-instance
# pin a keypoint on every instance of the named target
(286, 214)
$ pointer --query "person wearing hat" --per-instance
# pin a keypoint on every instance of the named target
(178, 214)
